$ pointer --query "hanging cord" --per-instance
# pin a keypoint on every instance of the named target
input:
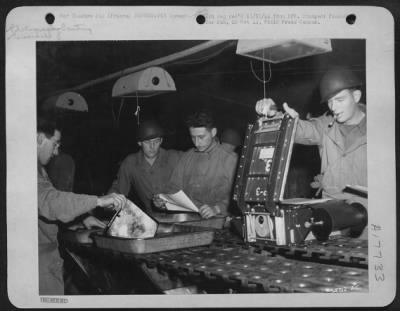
(137, 112)
(263, 63)
(113, 113)
(116, 119)
(263, 81)
(270, 108)
(120, 109)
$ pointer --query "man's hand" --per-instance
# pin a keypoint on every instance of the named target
(317, 184)
(266, 107)
(290, 111)
(91, 222)
(158, 202)
(112, 201)
(207, 211)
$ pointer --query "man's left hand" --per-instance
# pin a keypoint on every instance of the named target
(91, 222)
(207, 211)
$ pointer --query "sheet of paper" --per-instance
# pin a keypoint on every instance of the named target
(179, 202)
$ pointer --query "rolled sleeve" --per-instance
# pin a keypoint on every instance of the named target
(308, 132)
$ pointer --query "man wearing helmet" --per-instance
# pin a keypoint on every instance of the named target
(147, 171)
(340, 134)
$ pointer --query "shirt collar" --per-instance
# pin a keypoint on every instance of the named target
(141, 160)
(214, 145)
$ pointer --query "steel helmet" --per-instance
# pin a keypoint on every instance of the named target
(336, 80)
(231, 136)
(149, 130)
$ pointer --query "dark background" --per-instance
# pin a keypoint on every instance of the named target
(223, 83)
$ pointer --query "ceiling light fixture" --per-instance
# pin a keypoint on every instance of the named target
(282, 50)
(146, 83)
(66, 100)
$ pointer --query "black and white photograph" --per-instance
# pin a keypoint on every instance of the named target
(190, 159)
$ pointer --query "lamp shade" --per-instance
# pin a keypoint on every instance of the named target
(145, 83)
(66, 100)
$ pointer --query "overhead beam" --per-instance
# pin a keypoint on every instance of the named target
(155, 62)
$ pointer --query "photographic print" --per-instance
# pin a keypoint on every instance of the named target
(189, 151)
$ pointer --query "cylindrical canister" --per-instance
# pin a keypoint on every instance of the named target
(338, 215)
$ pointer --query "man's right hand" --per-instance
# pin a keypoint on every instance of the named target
(112, 201)
(266, 107)
(290, 111)
(158, 202)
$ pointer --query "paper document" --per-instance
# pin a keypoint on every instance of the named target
(179, 202)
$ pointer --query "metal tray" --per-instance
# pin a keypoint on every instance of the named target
(79, 236)
(216, 222)
(190, 219)
(175, 217)
(168, 237)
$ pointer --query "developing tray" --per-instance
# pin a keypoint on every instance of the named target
(214, 222)
(175, 217)
(79, 236)
(190, 219)
(168, 237)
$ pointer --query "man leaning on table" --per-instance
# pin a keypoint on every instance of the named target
(56, 206)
